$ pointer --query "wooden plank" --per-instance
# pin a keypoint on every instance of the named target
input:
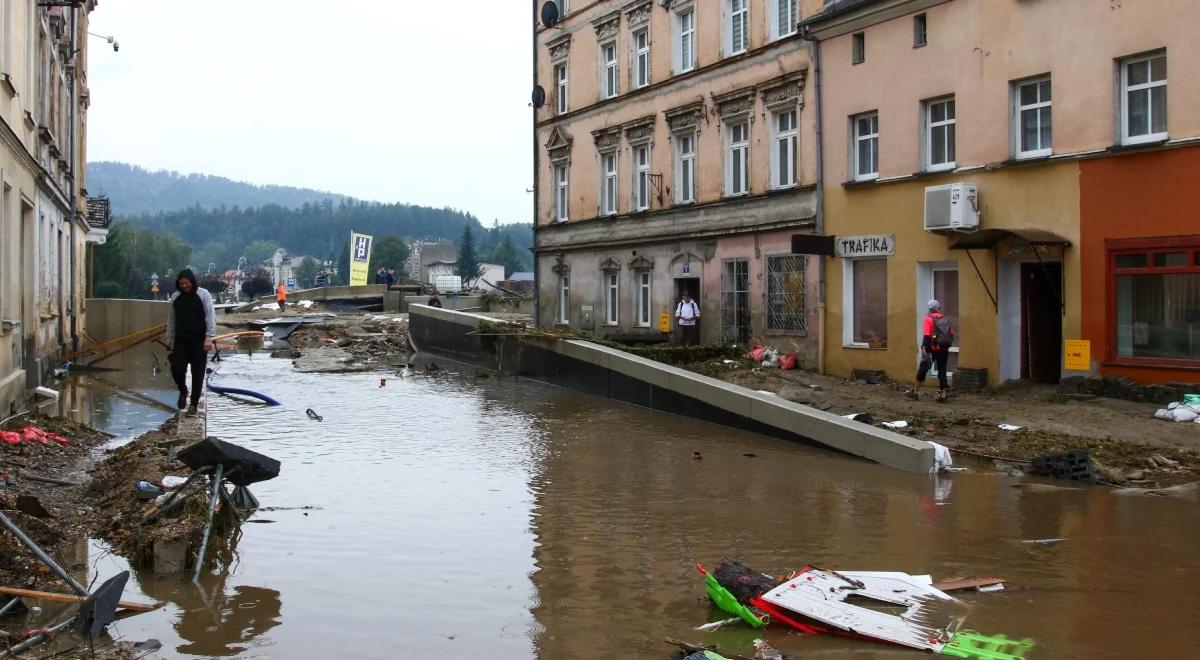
(69, 598)
(957, 584)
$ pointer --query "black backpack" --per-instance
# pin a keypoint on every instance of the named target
(943, 333)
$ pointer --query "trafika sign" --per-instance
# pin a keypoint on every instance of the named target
(875, 245)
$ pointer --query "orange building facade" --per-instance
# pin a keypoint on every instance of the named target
(1140, 261)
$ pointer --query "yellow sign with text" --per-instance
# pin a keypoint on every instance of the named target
(1078, 353)
(664, 323)
(360, 257)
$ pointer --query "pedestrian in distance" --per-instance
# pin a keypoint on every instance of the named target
(687, 315)
(937, 336)
(381, 276)
(281, 295)
(191, 327)
(391, 276)
(434, 301)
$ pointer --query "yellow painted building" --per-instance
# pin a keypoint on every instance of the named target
(44, 227)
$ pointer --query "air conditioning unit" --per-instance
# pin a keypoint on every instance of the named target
(952, 207)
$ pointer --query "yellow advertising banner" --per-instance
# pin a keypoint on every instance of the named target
(1078, 354)
(360, 257)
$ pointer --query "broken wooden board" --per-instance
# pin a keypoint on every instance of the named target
(958, 584)
(70, 598)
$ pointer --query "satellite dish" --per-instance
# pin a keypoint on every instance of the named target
(539, 96)
(550, 14)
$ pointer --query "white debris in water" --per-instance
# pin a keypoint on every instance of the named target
(898, 424)
(1010, 427)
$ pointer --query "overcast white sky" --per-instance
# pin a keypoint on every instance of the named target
(391, 100)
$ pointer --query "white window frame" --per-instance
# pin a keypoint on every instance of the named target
(1126, 88)
(790, 138)
(564, 299)
(610, 70)
(612, 298)
(640, 66)
(562, 191)
(737, 150)
(848, 302)
(6, 48)
(776, 10)
(564, 6)
(685, 168)
(1036, 107)
(685, 32)
(950, 124)
(562, 74)
(645, 298)
(737, 26)
(858, 138)
(608, 182)
(641, 176)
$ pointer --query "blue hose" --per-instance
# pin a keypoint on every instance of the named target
(213, 387)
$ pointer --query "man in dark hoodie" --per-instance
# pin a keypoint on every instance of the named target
(191, 327)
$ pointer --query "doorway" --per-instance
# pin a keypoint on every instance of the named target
(939, 281)
(692, 286)
(1041, 321)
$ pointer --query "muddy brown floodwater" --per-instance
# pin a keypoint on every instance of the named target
(453, 516)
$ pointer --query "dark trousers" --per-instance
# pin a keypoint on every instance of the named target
(689, 335)
(940, 358)
(189, 353)
(281, 304)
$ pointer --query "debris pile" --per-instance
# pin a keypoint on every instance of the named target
(893, 608)
(1187, 410)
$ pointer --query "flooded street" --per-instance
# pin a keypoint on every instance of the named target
(452, 516)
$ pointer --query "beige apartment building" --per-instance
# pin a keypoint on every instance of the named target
(44, 228)
(1034, 166)
(676, 151)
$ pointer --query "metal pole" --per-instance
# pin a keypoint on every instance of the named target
(40, 554)
(212, 507)
(12, 603)
(536, 173)
(34, 641)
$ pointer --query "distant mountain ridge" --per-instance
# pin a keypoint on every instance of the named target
(134, 190)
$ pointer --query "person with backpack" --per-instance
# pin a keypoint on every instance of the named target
(937, 336)
(687, 314)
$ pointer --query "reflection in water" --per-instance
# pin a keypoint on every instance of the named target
(464, 518)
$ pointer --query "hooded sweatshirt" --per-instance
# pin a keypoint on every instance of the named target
(192, 316)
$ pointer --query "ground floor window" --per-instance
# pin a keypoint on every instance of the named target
(564, 299)
(1156, 301)
(735, 301)
(786, 284)
(611, 304)
(643, 299)
(865, 302)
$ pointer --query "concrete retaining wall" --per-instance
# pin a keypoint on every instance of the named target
(112, 318)
(615, 374)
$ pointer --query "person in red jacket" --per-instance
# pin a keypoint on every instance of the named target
(937, 335)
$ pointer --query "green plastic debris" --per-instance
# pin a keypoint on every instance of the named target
(1191, 399)
(728, 602)
(972, 644)
(713, 655)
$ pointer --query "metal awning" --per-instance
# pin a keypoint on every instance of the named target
(986, 238)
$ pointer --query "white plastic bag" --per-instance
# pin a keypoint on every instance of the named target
(1184, 414)
(941, 458)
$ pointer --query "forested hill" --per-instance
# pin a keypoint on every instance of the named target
(319, 230)
(134, 190)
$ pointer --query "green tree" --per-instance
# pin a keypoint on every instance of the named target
(390, 252)
(342, 276)
(506, 254)
(259, 251)
(306, 273)
(468, 266)
(256, 282)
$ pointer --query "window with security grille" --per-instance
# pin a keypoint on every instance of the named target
(735, 301)
(786, 282)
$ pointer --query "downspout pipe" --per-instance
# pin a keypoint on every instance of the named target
(806, 34)
(537, 290)
(74, 191)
